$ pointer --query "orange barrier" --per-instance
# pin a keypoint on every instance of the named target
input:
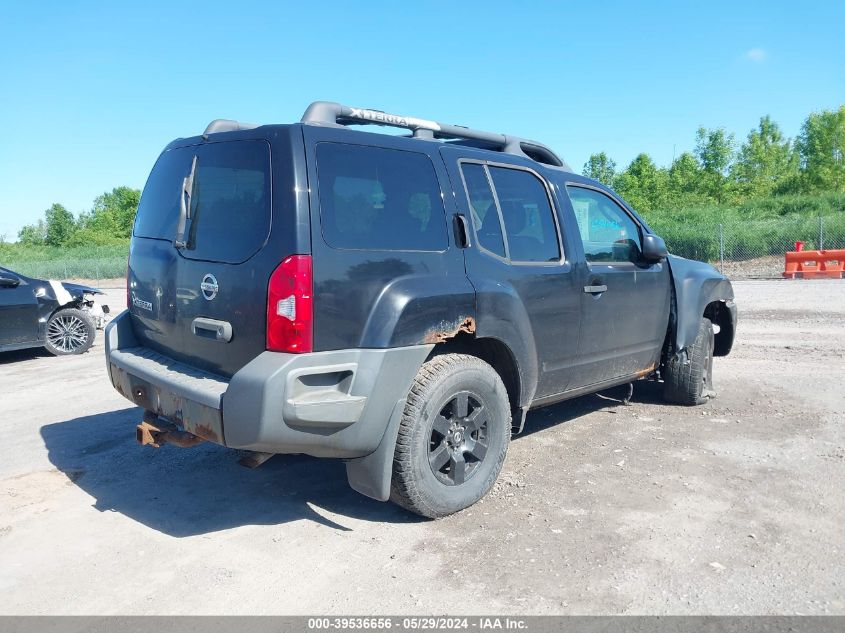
(815, 265)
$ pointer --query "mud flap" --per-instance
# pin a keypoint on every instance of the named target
(370, 475)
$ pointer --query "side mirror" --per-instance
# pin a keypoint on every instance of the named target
(654, 249)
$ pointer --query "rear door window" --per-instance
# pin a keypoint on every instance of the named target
(230, 200)
(373, 198)
(482, 205)
(527, 213)
(517, 201)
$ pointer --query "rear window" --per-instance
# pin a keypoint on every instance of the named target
(158, 211)
(520, 204)
(373, 198)
(230, 200)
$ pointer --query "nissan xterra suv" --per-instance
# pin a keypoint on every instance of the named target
(399, 302)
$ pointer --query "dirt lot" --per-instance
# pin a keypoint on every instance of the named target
(733, 507)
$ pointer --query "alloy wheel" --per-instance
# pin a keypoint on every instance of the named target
(67, 333)
(459, 439)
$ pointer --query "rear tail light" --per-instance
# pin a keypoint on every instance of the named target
(290, 316)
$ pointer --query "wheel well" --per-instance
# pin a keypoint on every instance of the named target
(71, 305)
(493, 352)
(720, 316)
(75, 304)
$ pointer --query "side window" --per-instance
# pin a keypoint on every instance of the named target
(373, 198)
(609, 234)
(527, 214)
(482, 204)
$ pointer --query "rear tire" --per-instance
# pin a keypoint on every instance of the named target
(692, 383)
(453, 436)
(69, 331)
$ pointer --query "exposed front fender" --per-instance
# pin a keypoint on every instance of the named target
(79, 290)
(696, 285)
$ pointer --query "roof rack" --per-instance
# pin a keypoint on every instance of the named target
(227, 125)
(335, 114)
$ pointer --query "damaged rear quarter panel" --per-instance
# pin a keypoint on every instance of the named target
(428, 310)
(420, 309)
(444, 331)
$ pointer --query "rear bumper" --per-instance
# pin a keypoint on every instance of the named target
(326, 404)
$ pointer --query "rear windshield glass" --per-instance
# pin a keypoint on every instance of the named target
(158, 211)
(229, 204)
(379, 199)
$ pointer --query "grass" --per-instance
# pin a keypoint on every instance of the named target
(755, 229)
(51, 262)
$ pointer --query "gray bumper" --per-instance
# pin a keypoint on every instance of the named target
(326, 404)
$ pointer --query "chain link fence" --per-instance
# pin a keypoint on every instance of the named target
(95, 271)
(753, 249)
(741, 249)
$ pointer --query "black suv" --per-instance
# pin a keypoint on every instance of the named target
(400, 302)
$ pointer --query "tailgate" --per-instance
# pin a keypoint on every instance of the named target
(197, 282)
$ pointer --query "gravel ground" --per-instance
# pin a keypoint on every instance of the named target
(732, 507)
(770, 267)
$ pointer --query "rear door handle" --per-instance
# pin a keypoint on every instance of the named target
(212, 329)
(594, 290)
(461, 230)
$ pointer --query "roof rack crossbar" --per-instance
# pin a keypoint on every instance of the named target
(330, 113)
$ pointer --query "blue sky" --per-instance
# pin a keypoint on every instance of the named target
(92, 91)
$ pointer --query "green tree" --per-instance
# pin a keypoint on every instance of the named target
(113, 213)
(33, 234)
(821, 146)
(684, 176)
(764, 160)
(643, 185)
(714, 149)
(600, 167)
(793, 180)
(61, 225)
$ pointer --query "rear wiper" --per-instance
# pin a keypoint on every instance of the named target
(185, 205)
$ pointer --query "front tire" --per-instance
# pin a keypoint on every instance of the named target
(692, 383)
(453, 436)
(69, 331)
